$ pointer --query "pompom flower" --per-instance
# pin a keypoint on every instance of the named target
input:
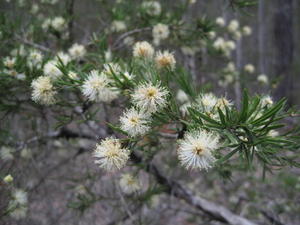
(160, 31)
(134, 122)
(129, 184)
(149, 97)
(196, 149)
(50, 69)
(77, 51)
(143, 49)
(96, 88)
(110, 155)
(165, 60)
(43, 91)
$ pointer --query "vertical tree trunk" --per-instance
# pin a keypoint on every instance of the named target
(283, 34)
(261, 36)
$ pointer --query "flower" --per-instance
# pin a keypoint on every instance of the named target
(223, 102)
(182, 96)
(230, 67)
(111, 68)
(150, 97)
(58, 23)
(65, 58)
(96, 88)
(134, 122)
(266, 101)
(118, 26)
(233, 26)
(165, 59)
(6, 153)
(160, 31)
(129, 184)
(152, 8)
(43, 90)
(212, 34)
(249, 68)
(143, 49)
(73, 75)
(8, 179)
(17, 207)
(246, 30)
(35, 58)
(263, 79)
(50, 69)
(220, 21)
(273, 133)
(207, 101)
(77, 51)
(196, 149)
(9, 62)
(110, 155)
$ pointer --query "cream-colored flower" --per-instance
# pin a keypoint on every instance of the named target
(8, 178)
(160, 31)
(195, 151)
(249, 68)
(143, 49)
(149, 97)
(65, 58)
(118, 26)
(43, 91)
(9, 62)
(58, 23)
(96, 88)
(152, 8)
(129, 184)
(77, 51)
(165, 60)
(220, 21)
(110, 155)
(207, 102)
(50, 69)
(263, 79)
(233, 26)
(246, 30)
(111, 68)
(181, 96)
(135, 122)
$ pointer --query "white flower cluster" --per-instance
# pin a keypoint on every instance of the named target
(160, 32)
(152, 8)
(110, 155)
(17, 207)
(129, 184)
(196, 150)
(58, 24)
(97, 87)
(163, 59)
(43, 90)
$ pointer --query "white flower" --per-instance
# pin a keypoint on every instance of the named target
(150, 97)
(246, 30)
(77, 51)
(128, 75)
(111, 68)
(153, 8)
(143, 49)
(65, 58)
(273, 133)
(135, 122)
(249, 68)
(17, 207)
(118, 26)
(26, 153)
(266, 101)
(189, 51)
(96, 88)
(110, 155)
(7, 153)
(20, 196)
(207, 101)
(43, 90)
(34, 9)
(182, 96)
(230, 45)
(237, 35)
(9, 62)
(220, 21)
(108, 55)
(230, 67)
(58, 23)
(129, 184)
(50, 69)
(262, 78)
(211, 34)
(184, 108)
(196, 149)
(165, 60)
(160, 31)
(35, 58)
(233, 26)
(46, 24)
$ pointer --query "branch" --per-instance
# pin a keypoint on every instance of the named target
(215, 211)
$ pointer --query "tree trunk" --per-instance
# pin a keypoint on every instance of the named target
(283, 34)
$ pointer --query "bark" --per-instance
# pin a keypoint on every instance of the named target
(283, 35)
